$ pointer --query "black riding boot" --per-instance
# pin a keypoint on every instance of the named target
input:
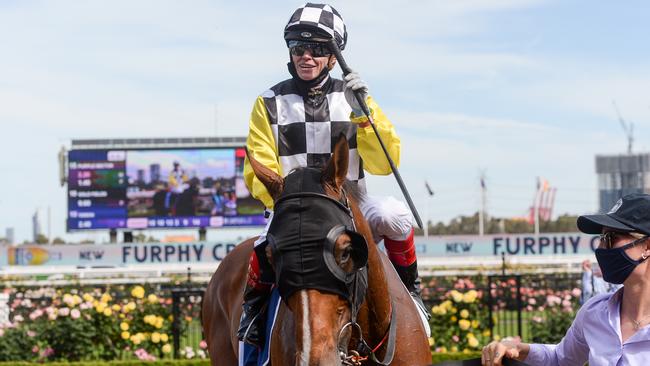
(251, 325)
(409, 276)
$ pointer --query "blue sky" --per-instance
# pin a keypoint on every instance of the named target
(514, 88)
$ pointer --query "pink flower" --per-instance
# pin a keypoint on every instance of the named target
(75, 314)
(31, 334)
(576, 292)
(2, 332)
(142, 355)
(18, 318)
(47, 352)
(35, 314)
(65, 311)
(455, 338)
(552, 300)
(532, 301)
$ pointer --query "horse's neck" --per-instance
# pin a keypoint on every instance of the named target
(377, 318)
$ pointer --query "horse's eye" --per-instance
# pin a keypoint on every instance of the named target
(345, 256)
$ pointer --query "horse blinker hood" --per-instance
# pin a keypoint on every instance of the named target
(303, 237)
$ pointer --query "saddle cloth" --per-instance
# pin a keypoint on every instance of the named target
(253, 356)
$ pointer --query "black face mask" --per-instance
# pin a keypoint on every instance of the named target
(615, 264)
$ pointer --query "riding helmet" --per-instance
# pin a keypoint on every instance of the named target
(316, 23)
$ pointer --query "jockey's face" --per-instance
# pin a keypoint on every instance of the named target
(309, 67)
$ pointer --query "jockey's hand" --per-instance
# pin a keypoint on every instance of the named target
(494, 352)
(353, 83)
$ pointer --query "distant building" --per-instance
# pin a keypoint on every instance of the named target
(619, 175)
(140, 176)
(154, 173)
(36, 226)
(9, 235)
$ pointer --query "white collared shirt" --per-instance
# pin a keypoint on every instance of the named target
(595, 336)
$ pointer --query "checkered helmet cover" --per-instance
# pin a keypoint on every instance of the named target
(321, 19)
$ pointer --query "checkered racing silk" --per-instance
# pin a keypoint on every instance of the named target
(320, 16)
(307, 129)
(291, 128)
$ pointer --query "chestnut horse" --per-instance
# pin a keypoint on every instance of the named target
(313, 326)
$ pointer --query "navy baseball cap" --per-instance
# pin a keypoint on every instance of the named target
(630, 213)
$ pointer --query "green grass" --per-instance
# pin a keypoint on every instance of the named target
(192, 335)
(508, 320)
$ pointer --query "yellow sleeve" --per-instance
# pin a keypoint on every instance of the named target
(261, 144)
(172, 180)
(374, 159)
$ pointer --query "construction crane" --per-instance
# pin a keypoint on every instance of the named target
(628, 127)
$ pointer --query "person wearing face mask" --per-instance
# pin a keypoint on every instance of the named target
(296, 123)
(612, 328)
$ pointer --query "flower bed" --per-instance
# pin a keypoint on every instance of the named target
(458, 321)
(95, 324)
(461, 310)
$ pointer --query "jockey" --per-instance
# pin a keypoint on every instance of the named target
(296, 123)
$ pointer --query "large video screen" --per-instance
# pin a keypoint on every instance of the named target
(151, 189)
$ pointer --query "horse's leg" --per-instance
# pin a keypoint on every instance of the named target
(222, 306)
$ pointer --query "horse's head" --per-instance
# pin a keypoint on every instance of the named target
(318, 256)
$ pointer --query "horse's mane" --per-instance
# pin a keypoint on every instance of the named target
(352, 190)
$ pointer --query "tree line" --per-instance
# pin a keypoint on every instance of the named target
(469, 225)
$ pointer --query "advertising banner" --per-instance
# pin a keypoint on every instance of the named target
(129, 254)
(508, 244)
(113, 255)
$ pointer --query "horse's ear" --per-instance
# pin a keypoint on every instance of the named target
(273, 182)
(337, 168)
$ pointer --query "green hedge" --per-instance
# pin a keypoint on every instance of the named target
(440, 357)
(117, 363)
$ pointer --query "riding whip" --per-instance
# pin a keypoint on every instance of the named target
(346, 70)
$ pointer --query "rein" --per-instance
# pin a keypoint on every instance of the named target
(354, 357)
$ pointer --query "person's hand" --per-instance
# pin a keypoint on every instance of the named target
(493, 353)
(353, 83)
